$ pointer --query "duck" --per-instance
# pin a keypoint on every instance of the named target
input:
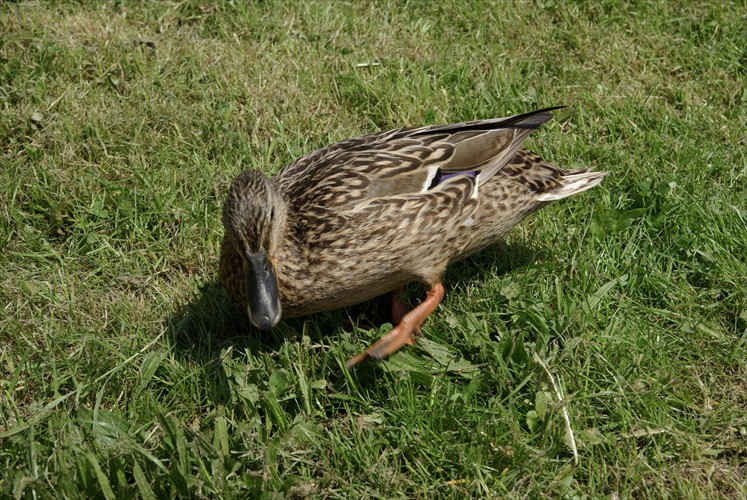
(368, 215)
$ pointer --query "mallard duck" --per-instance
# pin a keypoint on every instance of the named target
(366, 216)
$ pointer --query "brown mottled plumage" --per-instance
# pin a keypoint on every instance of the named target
(368, 215)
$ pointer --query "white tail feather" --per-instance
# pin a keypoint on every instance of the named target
(573, 183)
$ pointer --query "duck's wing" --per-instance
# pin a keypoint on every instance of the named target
(404, 162)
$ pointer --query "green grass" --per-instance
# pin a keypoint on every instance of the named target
(124, 369)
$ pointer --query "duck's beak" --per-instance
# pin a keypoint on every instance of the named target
(263, 299)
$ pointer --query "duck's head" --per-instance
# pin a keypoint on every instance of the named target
(254, 219)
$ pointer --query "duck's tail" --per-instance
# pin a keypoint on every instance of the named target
(571, 182)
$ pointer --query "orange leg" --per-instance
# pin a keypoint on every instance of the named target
(402, 333)
(398, 308)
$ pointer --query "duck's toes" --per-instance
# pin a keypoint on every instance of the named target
(390, 343)
(403, 333)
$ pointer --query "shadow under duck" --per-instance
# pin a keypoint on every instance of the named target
(368, 215)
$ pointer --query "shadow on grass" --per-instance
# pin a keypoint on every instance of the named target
(203, 327)
(212, 322)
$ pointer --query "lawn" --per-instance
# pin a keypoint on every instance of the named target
(601, 350)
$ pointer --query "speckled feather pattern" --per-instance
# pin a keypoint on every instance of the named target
(368, 215)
